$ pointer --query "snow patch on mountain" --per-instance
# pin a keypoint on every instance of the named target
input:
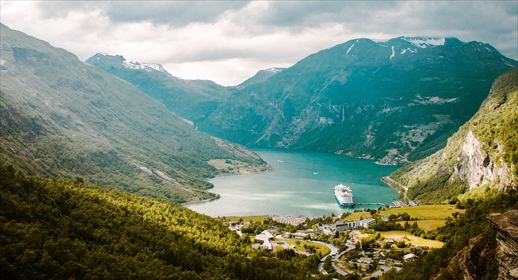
(393, 53)
(274, 69)
(423, 42)
(350, 48)
(403, 51)
(143, 66)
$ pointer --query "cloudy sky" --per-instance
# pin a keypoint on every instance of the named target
(229, 41)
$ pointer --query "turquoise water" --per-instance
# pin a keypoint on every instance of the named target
(301, 183)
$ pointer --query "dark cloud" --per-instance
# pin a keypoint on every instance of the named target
(176, 13)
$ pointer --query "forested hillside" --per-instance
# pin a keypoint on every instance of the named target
(392, 101)
(472, 232)
(60, 117)
(482, 153)
(57, 229)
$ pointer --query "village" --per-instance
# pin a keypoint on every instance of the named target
(363, 243)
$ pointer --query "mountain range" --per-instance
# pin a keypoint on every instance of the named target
(393, 101)
(61, 117)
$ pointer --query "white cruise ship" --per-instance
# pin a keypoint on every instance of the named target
(344, 195)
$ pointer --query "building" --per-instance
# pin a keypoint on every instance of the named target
(409, 257)
(263, 240)
(366, 223)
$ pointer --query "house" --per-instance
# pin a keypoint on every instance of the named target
(347, 225)
(263, 240)
(366, 223)
(409, 257)
(385, 218)
(327, 229)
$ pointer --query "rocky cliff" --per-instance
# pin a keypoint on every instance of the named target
(483, 152)
(506, 227)
(476, 167)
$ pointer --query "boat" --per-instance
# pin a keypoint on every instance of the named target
(344, 195)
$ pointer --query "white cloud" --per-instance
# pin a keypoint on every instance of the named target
(228, 42)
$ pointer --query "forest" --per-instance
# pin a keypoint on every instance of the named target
(58, 229)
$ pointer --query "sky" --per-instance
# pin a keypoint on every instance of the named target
(229, 41)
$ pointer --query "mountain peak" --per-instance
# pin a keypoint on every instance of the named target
(120, 61)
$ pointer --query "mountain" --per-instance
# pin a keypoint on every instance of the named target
(60, 230)
(260, 76)
(393, 101)
(191, 99)
(483, 152)
(60, 117)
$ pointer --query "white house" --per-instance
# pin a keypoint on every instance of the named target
(409, 257)
(366, 223)
(263, 240)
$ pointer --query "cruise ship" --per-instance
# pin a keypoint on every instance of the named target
(344, 195)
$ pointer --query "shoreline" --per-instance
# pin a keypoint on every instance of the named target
(251, 171)
(393, 184)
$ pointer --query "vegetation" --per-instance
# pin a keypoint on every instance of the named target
(456, 235)
(495, 126)
(63, 118)
(57, 229)
(363, 103)
(406, 237)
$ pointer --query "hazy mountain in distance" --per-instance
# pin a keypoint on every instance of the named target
(192, 99)
(260, 76)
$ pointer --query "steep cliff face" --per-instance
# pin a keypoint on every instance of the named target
(476, 167)
(506, 227)
(483, 152)
(468, 263)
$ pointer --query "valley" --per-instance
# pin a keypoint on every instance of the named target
(112, 168)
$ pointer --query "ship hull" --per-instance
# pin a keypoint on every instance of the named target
(344, 205)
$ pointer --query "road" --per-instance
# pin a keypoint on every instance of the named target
(335, 256)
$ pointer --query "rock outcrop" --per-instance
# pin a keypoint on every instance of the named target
(477, 167)
(468, 263)
(506, 227)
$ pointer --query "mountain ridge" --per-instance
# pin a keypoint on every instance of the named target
(353, 86)
(61, 117)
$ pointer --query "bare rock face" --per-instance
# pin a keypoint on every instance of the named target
(468, 263)
(506, 227)
(476, 166)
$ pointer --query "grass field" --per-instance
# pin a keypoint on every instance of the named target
(429, 217)
(259, 218)
(409, 238)
(424, 212)
(427, 225)
(323, 250)
(356, 216)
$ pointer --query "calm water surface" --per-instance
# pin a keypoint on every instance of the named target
(301, 183)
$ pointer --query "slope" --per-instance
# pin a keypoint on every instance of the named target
(62, 230)
(483, 152)
(61, 117)
(393, 101)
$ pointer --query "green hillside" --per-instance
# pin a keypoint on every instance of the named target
(60, 117)
(483, 152)
(55, 229)
(393, 101)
